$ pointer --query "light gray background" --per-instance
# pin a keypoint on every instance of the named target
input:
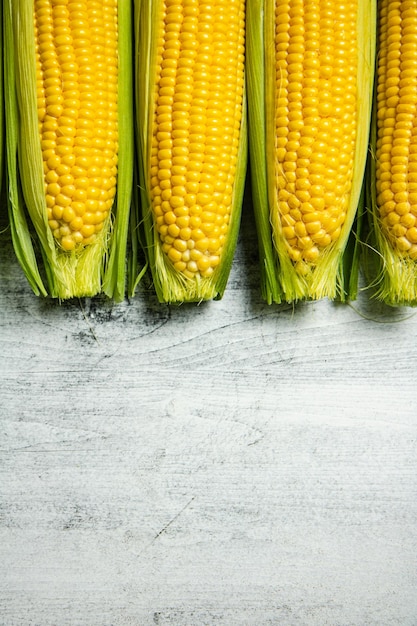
(231, 463)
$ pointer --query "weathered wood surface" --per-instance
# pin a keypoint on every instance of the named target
(231, 463)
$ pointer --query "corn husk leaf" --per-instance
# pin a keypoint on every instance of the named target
(170, 285)
(350, 265)
(21, 235)
(1, 101)
(334, 275)
(137, 264)
(255, 72)
(114, 282)
(80, 272)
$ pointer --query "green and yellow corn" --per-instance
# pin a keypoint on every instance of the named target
(69, 120)
(191, 141)
(392, 176)
(310, 67)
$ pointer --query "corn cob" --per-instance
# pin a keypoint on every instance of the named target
(310, 71)
(69, 141)
(392, 176)
(191, 141)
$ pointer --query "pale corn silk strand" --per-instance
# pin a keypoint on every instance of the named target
(77, 65)
(396, 147)
(315, 119)
(196, 127)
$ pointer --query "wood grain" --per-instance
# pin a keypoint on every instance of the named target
(231, 463)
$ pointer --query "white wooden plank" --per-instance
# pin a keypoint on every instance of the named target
(224, 464)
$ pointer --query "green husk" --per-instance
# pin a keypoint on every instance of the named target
(335, 274)
(49, 269)
(137, 266)
(1, 100)
(21, 235)
(170, 285)
(114, 281)
(391, 276)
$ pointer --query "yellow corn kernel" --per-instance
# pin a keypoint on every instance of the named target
(77, 104)
(316, 104)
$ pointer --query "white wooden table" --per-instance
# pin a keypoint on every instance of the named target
(227, 464)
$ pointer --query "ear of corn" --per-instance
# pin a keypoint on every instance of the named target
(392, 173)
(67, 77)
(310, 75)
(191, 142)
